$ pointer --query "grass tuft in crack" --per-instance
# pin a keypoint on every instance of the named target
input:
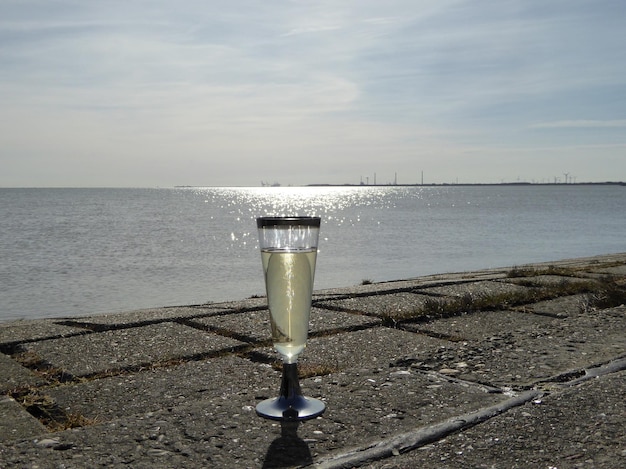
(48, 412)
(611, 293)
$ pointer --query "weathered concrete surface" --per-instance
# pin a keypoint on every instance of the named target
(133, 347)
(374, 347)
(558, 307)
(145, 316)
(253, 326)
(526, 384)
(395, 305)
(21, 331)
(577, 427)
(505, 348)
(16, 376)
(475, 289)
(614, 270)
(15, 423)
(165, 387)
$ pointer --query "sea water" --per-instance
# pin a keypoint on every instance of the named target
(69, 252)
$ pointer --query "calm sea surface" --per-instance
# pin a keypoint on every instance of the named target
(68, 252)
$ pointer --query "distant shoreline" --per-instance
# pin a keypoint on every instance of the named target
(607, 183)
(442, 184)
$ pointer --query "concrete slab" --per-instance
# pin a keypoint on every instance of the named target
(393, 286)
(146, 316)
(15, 376)
(178, 396)
(581, 263)
(101, 352)
(546, 280)
(619, 270)
(405, 305)
(373, 348)
(559, 307)
(388, 401)
(249, 303)
(366, 406)
(254, 326)
(484, 325)
(482, 288)
(16, 423)
(154, 389)
(222, 430)
(580, 427)
(395, 305)
(368, 288)
(514, 349)
(20, 331)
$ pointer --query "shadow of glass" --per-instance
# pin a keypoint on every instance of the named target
(289, 449)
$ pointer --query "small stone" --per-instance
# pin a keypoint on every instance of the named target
(449, 371)
(158, 452)
(47, 442)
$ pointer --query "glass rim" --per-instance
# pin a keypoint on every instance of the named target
(262, 222)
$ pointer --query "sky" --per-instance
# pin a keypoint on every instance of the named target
(153, 93)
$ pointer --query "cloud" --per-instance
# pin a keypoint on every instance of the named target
(311, 29)
(364, 83)
(580, 124)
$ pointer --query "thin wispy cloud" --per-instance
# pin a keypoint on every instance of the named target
(203, 92)
(311, 30)
(581, 124)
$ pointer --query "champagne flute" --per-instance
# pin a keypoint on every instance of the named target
(288, 253)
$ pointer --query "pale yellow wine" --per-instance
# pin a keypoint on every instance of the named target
(289, 284)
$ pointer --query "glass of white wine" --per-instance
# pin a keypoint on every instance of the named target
(288, 252)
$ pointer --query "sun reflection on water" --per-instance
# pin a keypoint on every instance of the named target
(339, 207)
(297, 201)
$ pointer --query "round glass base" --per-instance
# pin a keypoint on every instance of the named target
(294, 408)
